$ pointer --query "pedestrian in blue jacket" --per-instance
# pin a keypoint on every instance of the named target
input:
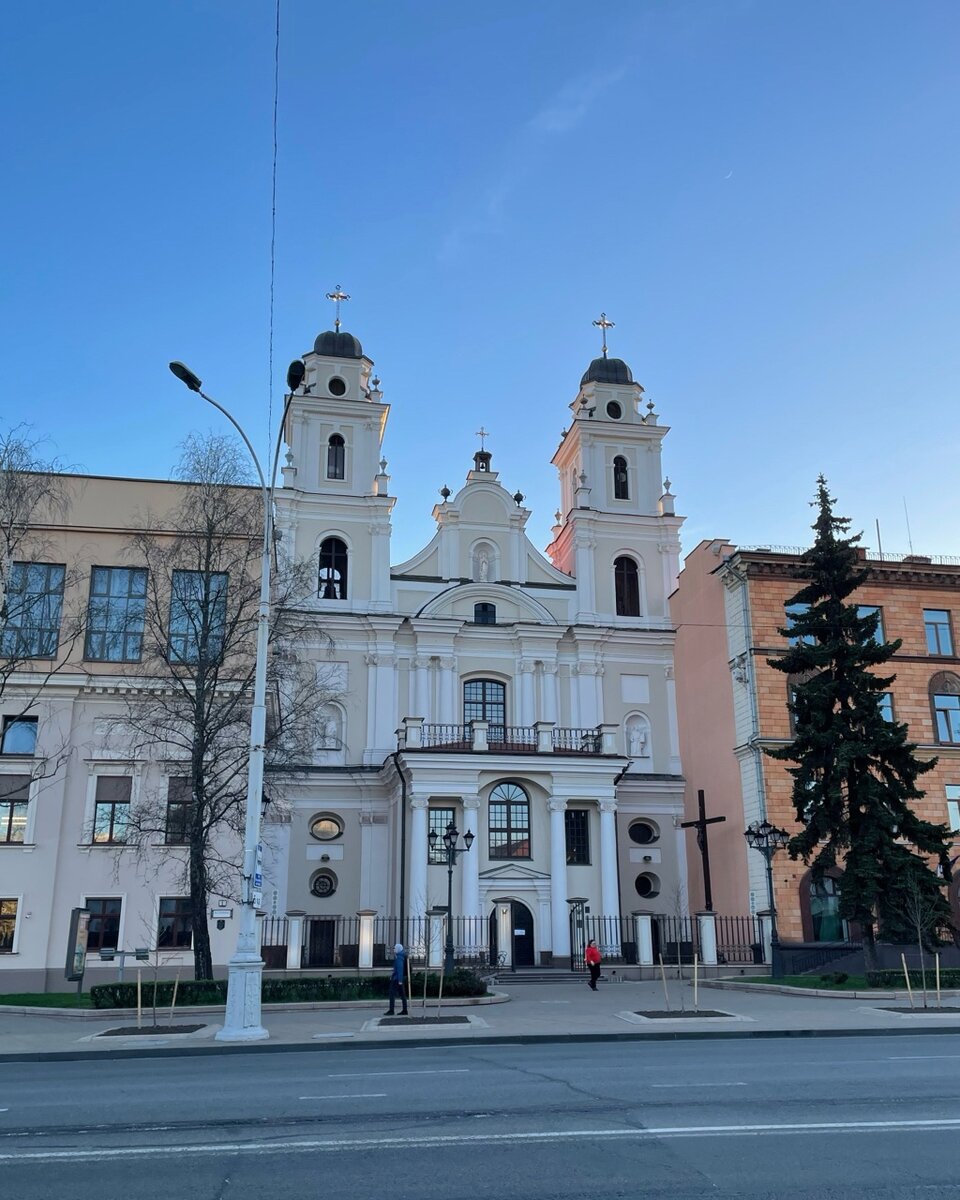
(398, 981)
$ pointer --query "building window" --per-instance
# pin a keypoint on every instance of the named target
(14, 803)
(868, 610)
(576, 823)
(111, 809)
(793, 611)
(19, 735)
(644, 833)
(936, 625)
(486, 700)
(332, 582)
(34, 603)
(953, 807)
(327, 827)
(198, 616)
(103, 932)
(825, 911)
(324, 884)
(115, 614)
(179, 811)
(336, 457)
(621, 482)
(647, 885)
(437, 821)
(626, 579)
(946, 711)
(885, 703)
(509, 822)
(8, 924)
(484, 614)
(175, 924)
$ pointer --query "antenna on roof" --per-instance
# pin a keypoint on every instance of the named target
(879, 543)
(907, 518)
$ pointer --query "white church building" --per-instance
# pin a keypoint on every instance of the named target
(525, 697)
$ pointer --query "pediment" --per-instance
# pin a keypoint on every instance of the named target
(512, 871)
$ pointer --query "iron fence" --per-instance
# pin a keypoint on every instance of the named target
(273, 942)
(739, 940)
(615, 938)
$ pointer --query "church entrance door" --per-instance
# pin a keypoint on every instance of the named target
(521, 928)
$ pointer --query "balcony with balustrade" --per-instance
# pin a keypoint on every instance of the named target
(485, 737)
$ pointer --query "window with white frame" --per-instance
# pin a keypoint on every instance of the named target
(792, 612)
(868, 610)
(14, 807)
(936, 627)
(115, 614)
(34, 604)
(8, 923)
(953, 806)
(439, 818)
(885, 703)
(111, 809)
(19, 735)
(198, 616)
(103, 930)
(175, 923)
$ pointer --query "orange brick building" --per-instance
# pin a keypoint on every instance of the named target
(728, 607)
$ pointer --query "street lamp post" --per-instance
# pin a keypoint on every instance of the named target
(768, 839)
(450, 839)
(242, 1022)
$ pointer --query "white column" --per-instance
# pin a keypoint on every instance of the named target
(527, 701)
(584, 546)
(294, 940)
(380, 566)
(383, 702)
(672, 726)
(589, 714)
(417, 903)
(559, 915)
(573, 682)
(449, 713)
(610, 900)
(421, 686)
(644, 933)
(549, 710)
(707, 926)
(470, 871)
(365, 959)
(766, 933)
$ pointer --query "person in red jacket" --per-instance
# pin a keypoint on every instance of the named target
(592, 957)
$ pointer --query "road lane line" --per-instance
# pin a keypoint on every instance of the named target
(917, 1057)
(373, 1074)
(439, 1140)
(347, 1096)
(695, 1085)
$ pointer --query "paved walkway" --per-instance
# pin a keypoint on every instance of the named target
(551, 1011)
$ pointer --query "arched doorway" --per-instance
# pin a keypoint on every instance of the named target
(521, 932)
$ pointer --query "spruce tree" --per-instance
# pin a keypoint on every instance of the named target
(854, 772)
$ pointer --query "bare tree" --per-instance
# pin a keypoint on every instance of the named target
(41, 616)
(191, 708)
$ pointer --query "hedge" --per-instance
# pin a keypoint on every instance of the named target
(302, 989)
(949, 978)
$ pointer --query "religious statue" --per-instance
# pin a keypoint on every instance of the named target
(483, 566)
(637, 740)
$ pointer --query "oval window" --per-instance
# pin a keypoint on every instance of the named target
(326, 827)
(647, 885)
(614, 411)
(644, 833)
(323, 884)
(337, 386)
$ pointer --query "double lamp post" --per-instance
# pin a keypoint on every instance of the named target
(450, 840)
(768, 839)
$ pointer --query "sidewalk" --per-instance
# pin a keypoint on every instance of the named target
(530, 1012)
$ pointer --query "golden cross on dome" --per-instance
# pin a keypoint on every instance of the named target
(481, 434)
(603, 324)
(337, 296)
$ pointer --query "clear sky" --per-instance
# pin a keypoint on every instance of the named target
(763, 197)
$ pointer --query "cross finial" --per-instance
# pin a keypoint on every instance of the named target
(603, 325)
(482, 434)
(337, 296)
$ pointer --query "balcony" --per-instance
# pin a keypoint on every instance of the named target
(482, 737)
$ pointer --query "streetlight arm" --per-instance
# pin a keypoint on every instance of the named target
(246, 441)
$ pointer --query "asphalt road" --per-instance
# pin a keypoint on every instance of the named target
(850, 1117)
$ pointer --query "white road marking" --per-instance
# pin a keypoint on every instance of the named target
(348, 1096)
(374, 1074)
(917, 1057)
(426, 1141)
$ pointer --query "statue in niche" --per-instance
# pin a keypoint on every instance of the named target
(637, 740)
(483, 566)
(330, 731)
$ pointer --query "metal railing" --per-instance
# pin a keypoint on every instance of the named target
(509, 739)
(739, 940)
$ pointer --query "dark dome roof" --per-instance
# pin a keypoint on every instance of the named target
(338, 344)
(607, 370)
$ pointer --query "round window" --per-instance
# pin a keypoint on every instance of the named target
(647, 885)
(644, 833)
(614, 411)
(323, 884)
(337, 386)
(326, 827)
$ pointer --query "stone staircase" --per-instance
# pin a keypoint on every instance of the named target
(524, 975)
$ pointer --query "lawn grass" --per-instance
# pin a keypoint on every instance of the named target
(853, 983)
(47, 999)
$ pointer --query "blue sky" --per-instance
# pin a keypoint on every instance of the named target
(763, 196)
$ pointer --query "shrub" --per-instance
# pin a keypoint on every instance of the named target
(299, 989)
(949, 978)
(834, 977)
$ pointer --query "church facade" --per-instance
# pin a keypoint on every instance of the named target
(526, 698)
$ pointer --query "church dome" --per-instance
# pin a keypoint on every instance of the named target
(607, 370)
(337, 344)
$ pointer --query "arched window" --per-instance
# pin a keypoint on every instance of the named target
(486, 700)
(336, 457)
(509, 822)
(332, 581)
(945, 698)
(626, 580)
(621, 484)
(484, 614)
(828, 925)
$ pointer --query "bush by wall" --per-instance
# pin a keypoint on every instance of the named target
(891, 980)
(299, 989)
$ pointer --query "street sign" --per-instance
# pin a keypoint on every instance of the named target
(257, 898)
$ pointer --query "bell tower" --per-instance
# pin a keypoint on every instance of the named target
(335, 502)
(617, 531)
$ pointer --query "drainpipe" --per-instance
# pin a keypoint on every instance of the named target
(403, 834)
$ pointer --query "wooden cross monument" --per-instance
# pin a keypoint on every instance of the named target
(700, 825)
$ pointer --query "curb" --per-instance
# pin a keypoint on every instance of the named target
(420, 1043)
